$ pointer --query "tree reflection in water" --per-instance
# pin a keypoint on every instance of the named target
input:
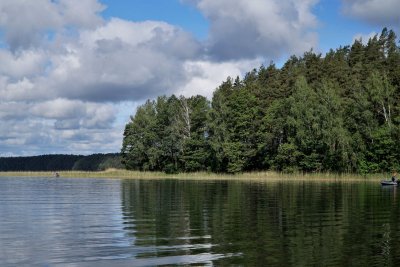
(263, 224)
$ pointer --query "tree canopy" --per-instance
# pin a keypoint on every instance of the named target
(338, 113)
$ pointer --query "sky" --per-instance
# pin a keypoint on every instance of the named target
(72, 72)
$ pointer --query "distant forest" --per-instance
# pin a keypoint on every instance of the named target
(95, 162)
(339, 112)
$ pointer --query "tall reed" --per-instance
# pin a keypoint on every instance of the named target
(260, 176)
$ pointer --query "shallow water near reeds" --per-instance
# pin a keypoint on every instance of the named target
(113, 222)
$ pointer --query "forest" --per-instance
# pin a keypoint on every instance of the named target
(95, 162)
(334, 113)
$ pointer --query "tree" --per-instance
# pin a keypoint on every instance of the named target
(141, 145)
(196, 149)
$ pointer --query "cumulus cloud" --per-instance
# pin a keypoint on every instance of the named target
(250, 29)
(35, 136)
(23, 64)
(12, 111)
(75, 114)
(58, 126)
(27, 23)
(206, 75)
(125, 60)
(378, 12)
(117, 61)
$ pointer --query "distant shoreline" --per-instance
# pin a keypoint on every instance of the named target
(256, 176)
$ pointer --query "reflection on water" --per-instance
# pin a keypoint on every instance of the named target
(87, 222)
(47, 221)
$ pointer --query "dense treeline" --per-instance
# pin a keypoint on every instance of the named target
(336, 113)
(95, 162)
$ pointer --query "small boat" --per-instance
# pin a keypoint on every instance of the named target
(388, 182)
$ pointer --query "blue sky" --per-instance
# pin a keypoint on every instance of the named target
(171, 11)
(73, 71)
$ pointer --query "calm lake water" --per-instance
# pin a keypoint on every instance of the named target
(101, 222)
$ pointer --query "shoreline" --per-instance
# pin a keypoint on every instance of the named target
(250, 176)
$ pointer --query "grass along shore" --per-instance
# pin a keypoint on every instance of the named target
(259, 176)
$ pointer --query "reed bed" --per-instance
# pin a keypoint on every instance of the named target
(252, 176)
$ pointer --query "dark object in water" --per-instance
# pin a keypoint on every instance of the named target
(56, 174)
(389, 182)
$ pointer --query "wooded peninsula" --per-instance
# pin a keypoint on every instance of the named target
(337, 113)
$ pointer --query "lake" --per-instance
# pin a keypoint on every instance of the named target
(111, 222)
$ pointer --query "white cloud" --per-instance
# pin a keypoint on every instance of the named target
(378, 12)
(59, 109)
(32, 136)
(18, 91)
(28, 23)
(206, 76)
(12, 111)
(75, 113)
(25, 63)
(268, 28)
(120, 60)
(81, 13)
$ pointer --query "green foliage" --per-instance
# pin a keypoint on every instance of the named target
(39, 163)
(338, 113)
(169, 134)
(98, 162)
(110, 161)
(95, 162)
(287, 158)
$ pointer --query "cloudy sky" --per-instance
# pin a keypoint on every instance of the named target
(73, 71)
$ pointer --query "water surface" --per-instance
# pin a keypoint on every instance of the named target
(105, 222)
